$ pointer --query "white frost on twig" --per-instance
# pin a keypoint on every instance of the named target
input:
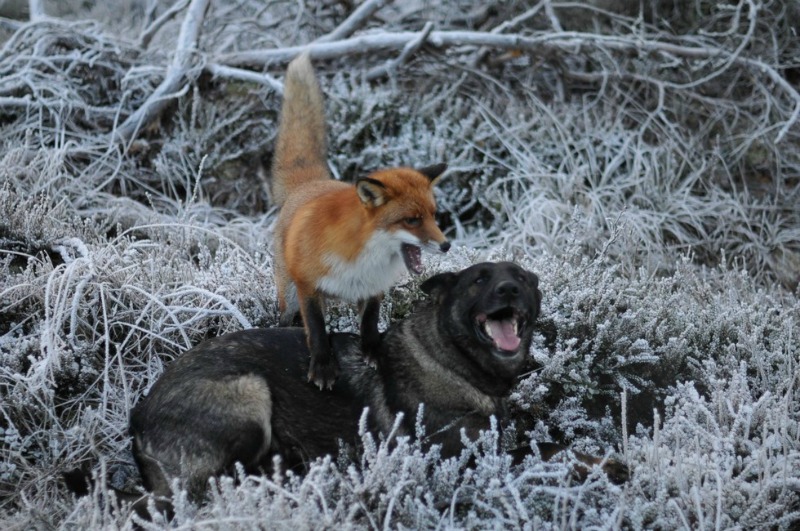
(407, 52)
(245, 75)
(355, 21)
(149, 32)
(37, 11)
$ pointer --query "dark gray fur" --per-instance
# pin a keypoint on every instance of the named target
(244, 396)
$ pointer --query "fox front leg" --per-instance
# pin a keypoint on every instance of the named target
(370, 335)
(323, 367)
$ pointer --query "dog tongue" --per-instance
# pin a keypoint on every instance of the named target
(503, 334)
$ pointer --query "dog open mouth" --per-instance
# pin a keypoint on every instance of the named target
(412, 256)
(501, 328)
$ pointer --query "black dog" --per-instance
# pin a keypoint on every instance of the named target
(243, 397)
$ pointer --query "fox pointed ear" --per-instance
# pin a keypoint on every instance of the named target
(438, 285)
(371, 192)
(433, 172)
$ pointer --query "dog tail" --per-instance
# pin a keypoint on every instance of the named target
(301, 147)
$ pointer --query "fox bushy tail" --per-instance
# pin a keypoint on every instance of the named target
(301, 147)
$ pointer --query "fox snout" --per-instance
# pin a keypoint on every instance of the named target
(437, 246)
(436, 240)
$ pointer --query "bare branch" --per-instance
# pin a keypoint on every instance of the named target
(10, 24)
(150, 12)
(551, 14)
(149, 32)
(25, 101)
(176, 74)
(245, 75)
(36, 8)
(408, 50)
(356, 19)
(530, 13)
(567, 41)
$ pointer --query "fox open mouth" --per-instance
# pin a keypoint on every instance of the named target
(501, 328)
(412, 256)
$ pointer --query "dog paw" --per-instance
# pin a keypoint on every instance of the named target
(323, 375)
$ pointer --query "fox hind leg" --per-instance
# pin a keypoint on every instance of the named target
(288, 304)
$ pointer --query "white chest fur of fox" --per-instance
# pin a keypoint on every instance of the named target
(376, 269)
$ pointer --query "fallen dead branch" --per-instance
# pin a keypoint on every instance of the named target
(178, 76)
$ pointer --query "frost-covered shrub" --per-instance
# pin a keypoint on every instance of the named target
(604, 331)
(723, 460)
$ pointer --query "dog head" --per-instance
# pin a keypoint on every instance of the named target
(488, 311)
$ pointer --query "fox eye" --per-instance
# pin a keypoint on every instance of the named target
(413, 222)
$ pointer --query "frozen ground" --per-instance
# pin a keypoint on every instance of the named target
(642, 157)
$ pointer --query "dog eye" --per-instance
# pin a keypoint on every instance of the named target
(481, 278)
(413, 222)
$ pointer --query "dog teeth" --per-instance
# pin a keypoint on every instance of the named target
(515, 327)
(488, 330)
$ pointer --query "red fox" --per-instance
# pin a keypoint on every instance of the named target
(352, 242)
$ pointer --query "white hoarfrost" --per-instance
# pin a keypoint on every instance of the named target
(643, 160)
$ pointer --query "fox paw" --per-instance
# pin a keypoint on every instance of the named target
(371, 360)
(370, 354)
(370, 348)
(323, 375)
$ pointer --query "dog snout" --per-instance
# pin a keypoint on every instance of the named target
(506, 289)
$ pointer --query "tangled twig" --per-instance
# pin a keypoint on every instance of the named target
(568, 42)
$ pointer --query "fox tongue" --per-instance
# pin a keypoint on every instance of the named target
(503, 333)
(412, 255)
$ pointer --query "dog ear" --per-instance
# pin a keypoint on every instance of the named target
(534, 280)
(371, 192)
(433, 172)
(438, 285)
